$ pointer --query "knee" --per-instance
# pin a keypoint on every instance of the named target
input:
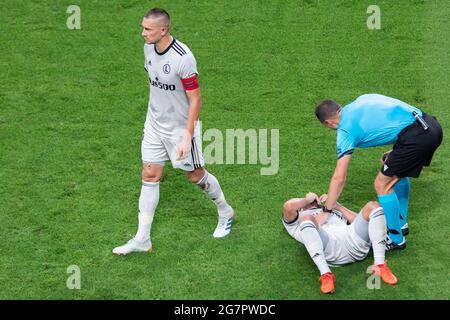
(149, 176)
(372, 205)
(308, 217)
(384, 184)
(369, 208)
(380, 186)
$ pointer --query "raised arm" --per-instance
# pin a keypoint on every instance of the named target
(291, 206)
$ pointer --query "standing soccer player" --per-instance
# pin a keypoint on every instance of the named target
(171, 130)
(375, 120)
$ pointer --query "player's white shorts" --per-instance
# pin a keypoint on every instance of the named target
(157, 148)
(342, 243)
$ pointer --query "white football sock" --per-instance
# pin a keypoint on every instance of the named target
(148, 201)
(314, 245)
(211, 186)
(377, 234)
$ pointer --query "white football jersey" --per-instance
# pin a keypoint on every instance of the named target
(343, 243)
(168, 105)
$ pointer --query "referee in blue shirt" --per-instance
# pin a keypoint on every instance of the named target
(375, 120)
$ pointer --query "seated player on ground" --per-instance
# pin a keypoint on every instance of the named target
(339, 237)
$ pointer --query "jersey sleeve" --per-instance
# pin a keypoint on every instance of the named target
(345, 144)
(188, 67)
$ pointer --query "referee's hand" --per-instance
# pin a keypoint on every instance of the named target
(384, 157)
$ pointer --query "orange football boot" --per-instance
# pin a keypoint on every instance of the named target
(327, 280)
(385, 273)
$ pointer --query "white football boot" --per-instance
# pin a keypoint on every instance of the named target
(134, 246)
(224, 225)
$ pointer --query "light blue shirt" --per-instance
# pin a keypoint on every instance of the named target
(372, 120)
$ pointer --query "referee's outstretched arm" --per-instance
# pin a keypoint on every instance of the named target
(337, 181)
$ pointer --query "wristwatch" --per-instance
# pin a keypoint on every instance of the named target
(324, 209)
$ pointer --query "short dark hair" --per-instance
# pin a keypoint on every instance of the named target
(327, 109)
(159, 13)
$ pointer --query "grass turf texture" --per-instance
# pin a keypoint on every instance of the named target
(73, 104)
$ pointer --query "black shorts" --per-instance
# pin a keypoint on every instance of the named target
(413, 149)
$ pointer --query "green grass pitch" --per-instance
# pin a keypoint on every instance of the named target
(72, 109)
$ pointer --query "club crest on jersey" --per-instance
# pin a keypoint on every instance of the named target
(166, 68)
